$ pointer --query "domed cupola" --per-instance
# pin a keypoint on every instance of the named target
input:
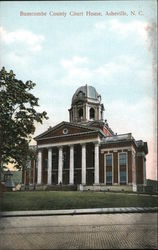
(86, 93)
(86, 105)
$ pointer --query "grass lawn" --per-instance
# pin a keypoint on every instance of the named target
(16, 201)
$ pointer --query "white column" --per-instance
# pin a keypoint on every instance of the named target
(83, 164)
(49, 174)
(87, 112)
(39, 172)
(134, 181)
(60, 166)
(96, 163)
(71, 172)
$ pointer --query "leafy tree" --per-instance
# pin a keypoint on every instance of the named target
(17, 119)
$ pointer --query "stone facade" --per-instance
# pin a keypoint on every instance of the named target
(86, 152)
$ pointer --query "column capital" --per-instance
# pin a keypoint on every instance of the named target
(39, 150)
(50, 149)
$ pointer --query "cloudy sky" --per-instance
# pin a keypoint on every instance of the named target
(115, 54)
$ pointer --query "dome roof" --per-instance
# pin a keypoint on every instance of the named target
(86, 92)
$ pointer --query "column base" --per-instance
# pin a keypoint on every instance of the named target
(84, 184)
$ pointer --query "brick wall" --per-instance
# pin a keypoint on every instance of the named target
(139, 169)
(129, 167)
(101, 168)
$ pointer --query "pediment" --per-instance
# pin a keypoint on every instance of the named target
(64, 129)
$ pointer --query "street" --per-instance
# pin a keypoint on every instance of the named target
(102, 231)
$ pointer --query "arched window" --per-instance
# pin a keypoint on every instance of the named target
(80, 113)
(92, 113)
(80, 94)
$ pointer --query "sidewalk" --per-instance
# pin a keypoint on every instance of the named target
(80, 211)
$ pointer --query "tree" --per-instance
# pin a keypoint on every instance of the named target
(17, 118)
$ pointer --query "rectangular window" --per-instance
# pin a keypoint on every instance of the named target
(122, 165)
(108, 160)
(122, 176)
(108, 164)
(122, 158)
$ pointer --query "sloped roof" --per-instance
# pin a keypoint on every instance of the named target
(76, 129)
(121, 137)
(99, 122)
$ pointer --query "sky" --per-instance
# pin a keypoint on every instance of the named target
(116, 54)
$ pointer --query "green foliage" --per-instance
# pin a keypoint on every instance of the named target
(17, 118)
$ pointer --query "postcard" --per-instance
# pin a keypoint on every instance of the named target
(94, 64)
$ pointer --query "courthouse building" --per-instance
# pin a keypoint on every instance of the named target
(85, 153)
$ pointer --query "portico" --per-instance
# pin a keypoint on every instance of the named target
(69, 162)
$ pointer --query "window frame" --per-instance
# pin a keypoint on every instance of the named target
(112, 169)
(119, 167)
(91, 118)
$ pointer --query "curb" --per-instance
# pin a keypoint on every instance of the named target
(80, 211)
